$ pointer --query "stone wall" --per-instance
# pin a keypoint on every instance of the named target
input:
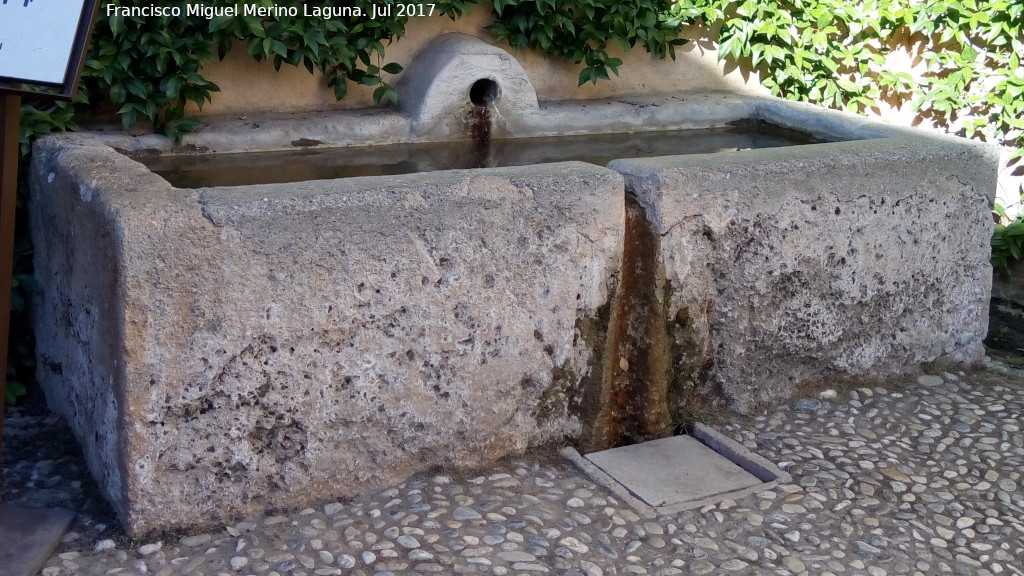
(226, 350)
(784, 267)
(222, 350)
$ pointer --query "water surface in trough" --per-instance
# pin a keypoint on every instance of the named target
(201, 170)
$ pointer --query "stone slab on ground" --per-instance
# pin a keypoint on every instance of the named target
(28, 536)
(672, 470)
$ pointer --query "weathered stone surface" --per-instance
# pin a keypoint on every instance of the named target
(220, 349)
(789, 264)
(436, 89)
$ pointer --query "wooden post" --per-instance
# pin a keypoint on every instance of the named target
(29, 535)
(10, 127)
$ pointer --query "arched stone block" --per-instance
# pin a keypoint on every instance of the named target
(434, 91)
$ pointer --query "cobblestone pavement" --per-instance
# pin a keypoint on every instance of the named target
(906, 478)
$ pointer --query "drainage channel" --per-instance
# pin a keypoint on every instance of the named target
(633, 403)
(629, 447)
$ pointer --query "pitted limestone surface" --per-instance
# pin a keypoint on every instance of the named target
(797, 266)
(219, 351)
(323, 338)
(438, 88)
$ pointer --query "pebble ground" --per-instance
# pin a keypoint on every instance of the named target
(920, 477)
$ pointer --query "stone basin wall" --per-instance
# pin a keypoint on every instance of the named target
(222, 351)
(786, 267)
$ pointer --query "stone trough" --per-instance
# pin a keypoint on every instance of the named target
(223, 350)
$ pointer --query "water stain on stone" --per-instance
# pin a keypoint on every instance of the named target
(633, 405)
(478, 122)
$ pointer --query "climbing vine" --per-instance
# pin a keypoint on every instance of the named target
(970, 80)
(581, 30)
(835, 53)
(1007, 241)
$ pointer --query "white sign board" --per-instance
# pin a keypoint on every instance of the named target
(36, 38)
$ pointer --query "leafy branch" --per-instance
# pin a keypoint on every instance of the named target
(582, 30)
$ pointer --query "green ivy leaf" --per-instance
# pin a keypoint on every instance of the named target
(13, 391)
(384, 94)
(117, 93)
(340, 88)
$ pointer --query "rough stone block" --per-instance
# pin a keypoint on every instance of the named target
(785, 266)
(436, 88)
(222, 350)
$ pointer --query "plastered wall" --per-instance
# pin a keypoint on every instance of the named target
(248, 86)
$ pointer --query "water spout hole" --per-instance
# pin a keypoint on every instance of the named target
(484, 92)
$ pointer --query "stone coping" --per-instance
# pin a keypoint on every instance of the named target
(383, 126)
